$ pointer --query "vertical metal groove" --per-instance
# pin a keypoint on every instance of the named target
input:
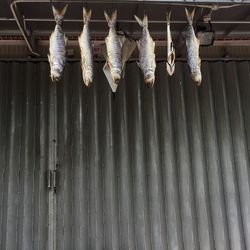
(79, 165)
(19, 207)
(242, 146)
(141, 206)
(213, 161)
(168, 161)
(110, 171)
(227, 161)
(42, 142)
(241, 158)
(4, 106)
(96, 238)
(64, 154)
(199, 170)
(184, 163)
(52, 202)
(123, 162)
(27, 160)
(154, 169)
(13, 161)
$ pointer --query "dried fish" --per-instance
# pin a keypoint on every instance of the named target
(192, 43)
(86, 50)
(170, 65)
(113, 46)
(146, 47)
(57, 46)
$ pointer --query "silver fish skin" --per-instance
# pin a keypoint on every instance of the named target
(113, 46)
(170, 65)
(146, 47)
(57, 46)
(86, 50)
(193, 44)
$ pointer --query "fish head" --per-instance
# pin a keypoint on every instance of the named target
(88, 78)
(55, 74)
(170, 68)
(196, 76)
(149, 78)
(116, 75)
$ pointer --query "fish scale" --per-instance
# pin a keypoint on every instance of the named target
(170, 64)
(192, 43)
(113, 46)
(146, 47)
(57, 48)
(86, 50)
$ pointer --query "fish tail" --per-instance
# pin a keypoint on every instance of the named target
(111, 20)
(142, 23)
(190, 15)
(168, 15)
(86, 15)
(59, 14)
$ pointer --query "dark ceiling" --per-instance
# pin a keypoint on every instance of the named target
(155, 11)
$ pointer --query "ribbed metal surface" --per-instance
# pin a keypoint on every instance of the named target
(24, 107)
(162, 168)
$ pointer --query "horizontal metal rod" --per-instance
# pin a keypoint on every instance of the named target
(21, 22)
(119, 20)
(180, 59)
(99, 43)
(190, 3)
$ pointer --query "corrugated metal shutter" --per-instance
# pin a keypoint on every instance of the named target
(24, 107)
(161, 168)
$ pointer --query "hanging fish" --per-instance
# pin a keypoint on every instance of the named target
(86, 50)
(113, 46)
(146, 47)
(192, 43)
(57, 46)
(170, 65)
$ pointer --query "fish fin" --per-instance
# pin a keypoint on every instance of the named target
(198, 41)
(154, 64)
(111, 20)
(145, 21)
(65, 39)
(49, 59)
(190, 15)
(138, 44)
(168, 15)
(153, 45)
(86, 15)
(142, 23)
(110, 65)
(114, 17)
(59, 14)
(122, 40)
(107, 18)
(139, 21)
